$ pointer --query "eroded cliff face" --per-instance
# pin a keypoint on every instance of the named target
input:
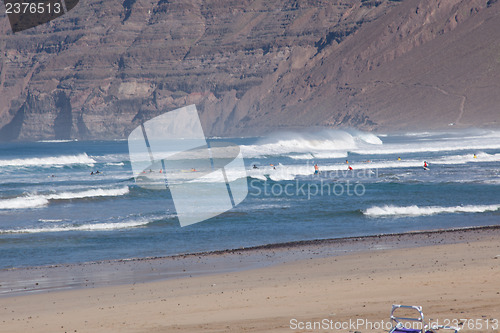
(252, 66)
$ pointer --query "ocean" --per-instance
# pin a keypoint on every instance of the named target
(54, 211)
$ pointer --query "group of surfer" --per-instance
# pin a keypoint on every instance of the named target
(256, 167)
(316, 167)
(151, 171)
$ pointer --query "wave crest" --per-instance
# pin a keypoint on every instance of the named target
(83, 227)
(24, 202)
(414, 210)
(37, 201)
(47, 161)
(319, 144)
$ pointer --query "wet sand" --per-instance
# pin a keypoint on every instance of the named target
(275, 288)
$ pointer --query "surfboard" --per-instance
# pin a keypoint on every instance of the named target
(426, 168)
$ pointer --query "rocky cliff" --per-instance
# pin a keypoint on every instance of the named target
(252, 66)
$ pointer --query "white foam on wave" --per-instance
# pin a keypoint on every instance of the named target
(319, 155)
(99, 192)
(307, 156)
(291, 171)
(388, 210)
(47, 161)
(431, 147)
(280, 176)
(114, 158)
(286, 171)
(468, 158)
(437, 143)
(57, 141)
(41, 200)
(492, 181)
(362, 169)
(23, 202)
(83, 227)
(258, 176)
(367, 137)
(331, 143)
(419, 134)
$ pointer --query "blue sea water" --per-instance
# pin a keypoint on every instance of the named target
(53, 211)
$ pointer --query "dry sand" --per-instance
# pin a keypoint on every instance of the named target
(457, 275)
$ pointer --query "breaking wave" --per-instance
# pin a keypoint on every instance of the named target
(57, 141)
(330, 143)
(320, 155)
(48, 161)
(23, 202)
(83, 227)
(450, 142)
(36, 201)
(414, 210)
(99, 192)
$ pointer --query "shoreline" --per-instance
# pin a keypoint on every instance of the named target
(451, 274)
(106, 273)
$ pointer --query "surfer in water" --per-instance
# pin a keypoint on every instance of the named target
(349, 168)
(316, 169)
(426, 167)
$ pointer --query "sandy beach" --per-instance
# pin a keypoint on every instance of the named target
(452, 274)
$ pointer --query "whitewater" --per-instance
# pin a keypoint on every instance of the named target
(55, 208)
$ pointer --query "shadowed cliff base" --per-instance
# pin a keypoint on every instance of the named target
(253, 66)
